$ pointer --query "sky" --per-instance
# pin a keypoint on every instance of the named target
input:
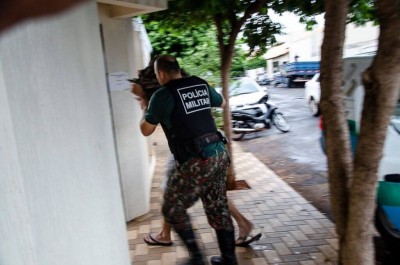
(291, 23)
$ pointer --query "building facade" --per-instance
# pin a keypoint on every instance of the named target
(306, 45)
(73, 165)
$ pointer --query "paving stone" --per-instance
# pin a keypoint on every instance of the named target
(316, 242)
(299, 235)
(168, 258)
(307, 230)
(271, 256)
(291, 241)
(287, 228)
(295, 257)
(138, 258)
(258, 261)
(132, 234)
(281, 249)
(307, 262)
(314, 223)
(278, 234)
(302, 250)
(318, 258)
(320, 236)
(333, 242)
(160, 249)
(270, 240)
(291, 222)
(328, 251)
(294, 231)
(139, 263)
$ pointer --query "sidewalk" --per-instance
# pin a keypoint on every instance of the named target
(294, 232)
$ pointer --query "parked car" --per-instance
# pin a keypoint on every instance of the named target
(246, 91)
(263, 79)
(312, 90)
(387, 213)
(277, 79)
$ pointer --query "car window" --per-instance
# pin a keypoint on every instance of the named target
(242, 87)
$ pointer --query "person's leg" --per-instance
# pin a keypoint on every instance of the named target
(163, 238)
(245, 227)
(180, 194)
(215, 204)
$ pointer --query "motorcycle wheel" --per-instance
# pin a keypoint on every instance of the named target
(280, 122)
(389, 234)
(237, 136)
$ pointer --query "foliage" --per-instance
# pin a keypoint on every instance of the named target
(254, 62)
(197, 50)
(258, 30)
(362, 11)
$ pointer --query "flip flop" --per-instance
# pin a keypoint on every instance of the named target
(250, 239)
(155, 242)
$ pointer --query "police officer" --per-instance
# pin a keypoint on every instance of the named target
(183, 108)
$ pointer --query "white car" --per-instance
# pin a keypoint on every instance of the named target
(246, 91)
(312, 90)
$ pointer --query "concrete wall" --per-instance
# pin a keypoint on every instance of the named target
(124, 55)
(60, 199)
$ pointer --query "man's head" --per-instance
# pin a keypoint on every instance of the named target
(167, 68)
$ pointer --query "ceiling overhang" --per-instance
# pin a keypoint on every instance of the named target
(130, 8)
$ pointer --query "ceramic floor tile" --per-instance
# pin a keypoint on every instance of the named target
(285, 218)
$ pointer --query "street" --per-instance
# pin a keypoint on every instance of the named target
(295, 156)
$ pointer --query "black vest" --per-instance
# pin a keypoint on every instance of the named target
(191, 117)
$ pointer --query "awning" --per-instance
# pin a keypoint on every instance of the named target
(130, 8)
(276, 51)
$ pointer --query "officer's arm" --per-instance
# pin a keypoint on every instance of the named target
(147, 128)
(223, 102)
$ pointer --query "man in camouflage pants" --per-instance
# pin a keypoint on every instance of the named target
(183, 108)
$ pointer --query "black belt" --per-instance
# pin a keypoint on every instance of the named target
(207, 139)
(183, 151)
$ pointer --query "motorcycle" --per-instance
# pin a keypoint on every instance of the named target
(257, 117)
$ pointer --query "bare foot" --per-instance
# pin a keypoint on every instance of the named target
(245, 228)
(157, 239)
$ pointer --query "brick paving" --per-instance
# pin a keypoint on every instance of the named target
(293, 231)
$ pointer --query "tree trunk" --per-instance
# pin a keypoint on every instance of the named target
(226, 55)
(226, 63)
(226, 49)
(334, 118)
(381, 82)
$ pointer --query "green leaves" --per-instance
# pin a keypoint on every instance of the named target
(259, 32)
(362, 11)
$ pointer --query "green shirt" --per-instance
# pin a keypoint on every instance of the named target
(162, 104)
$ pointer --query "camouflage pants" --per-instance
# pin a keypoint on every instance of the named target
(194, 179)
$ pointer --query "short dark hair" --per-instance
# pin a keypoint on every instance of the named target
(168, 63)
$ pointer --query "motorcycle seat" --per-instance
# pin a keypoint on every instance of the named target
(246, 112)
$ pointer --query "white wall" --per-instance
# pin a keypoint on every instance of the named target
(360, 39)
(307, 45)
(60, 197)
(124, 54)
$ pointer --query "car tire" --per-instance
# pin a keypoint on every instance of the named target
(390, 236)
(314, 108)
